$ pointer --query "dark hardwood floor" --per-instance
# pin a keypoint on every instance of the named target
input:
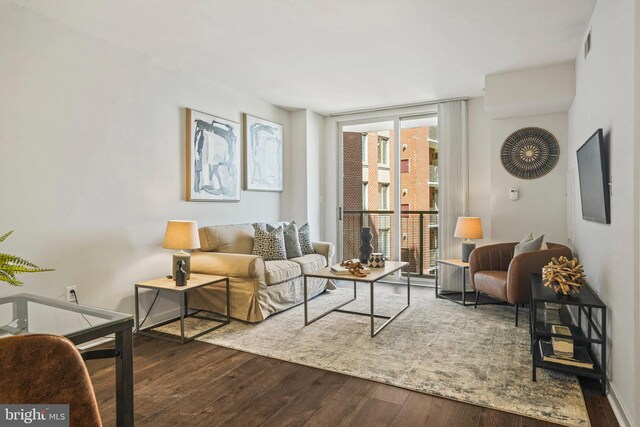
(202, 384)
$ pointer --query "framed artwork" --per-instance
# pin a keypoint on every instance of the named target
(263, 142)
(213, 158)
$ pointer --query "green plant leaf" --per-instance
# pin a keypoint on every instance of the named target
(5, 235)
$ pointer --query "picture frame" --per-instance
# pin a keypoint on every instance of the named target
(263, 154)
(213, 158)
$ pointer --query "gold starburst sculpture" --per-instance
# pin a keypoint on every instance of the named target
(565, 276)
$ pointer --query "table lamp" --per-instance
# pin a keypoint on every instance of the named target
(468, 227)
(181, 235)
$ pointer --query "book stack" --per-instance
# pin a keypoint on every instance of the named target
(562, 347)
(579, 357)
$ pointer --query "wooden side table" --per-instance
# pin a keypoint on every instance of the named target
(169, 285)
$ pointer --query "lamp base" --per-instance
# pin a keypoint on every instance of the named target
(184, 256)
(467, 247)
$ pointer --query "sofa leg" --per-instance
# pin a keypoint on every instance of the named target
(516, 306)
(477, 296)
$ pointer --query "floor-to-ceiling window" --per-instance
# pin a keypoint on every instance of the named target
(390, 183)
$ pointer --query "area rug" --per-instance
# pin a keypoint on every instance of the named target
(436, 347)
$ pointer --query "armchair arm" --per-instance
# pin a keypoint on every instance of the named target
(494, 257)
(326, 249)
(225, 264)
(523, 265)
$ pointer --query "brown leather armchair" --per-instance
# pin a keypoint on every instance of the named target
(494, 270)
(47, 369)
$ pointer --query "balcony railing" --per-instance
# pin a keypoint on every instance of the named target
(418, 234)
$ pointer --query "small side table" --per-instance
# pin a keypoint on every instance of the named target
(169, 285)
(459, 297)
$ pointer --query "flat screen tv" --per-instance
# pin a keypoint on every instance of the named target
(593, 172)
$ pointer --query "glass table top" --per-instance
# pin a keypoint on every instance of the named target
(29, 314)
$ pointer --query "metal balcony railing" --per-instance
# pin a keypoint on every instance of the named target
(418, 234)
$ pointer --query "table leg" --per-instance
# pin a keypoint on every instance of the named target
(306, 309)
(137, 314)
(183, 304)
(373, 325)
(437, 277)
(228, 302)
(464, 288)
(124, 379)
(355, 292)
(408, 285)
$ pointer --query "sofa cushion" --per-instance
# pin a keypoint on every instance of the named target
(292, 241)
(304, 234)
(281, 271)
(311, 262)
(491, 282)
(268, 243)
(231, 239)
(531, 245)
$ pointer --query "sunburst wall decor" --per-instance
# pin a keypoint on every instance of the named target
(530, 153)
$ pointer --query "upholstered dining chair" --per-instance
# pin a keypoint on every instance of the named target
(47, 369)
(494, 270)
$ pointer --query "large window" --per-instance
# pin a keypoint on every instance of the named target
(383, 150)
(365, 196)
(365, 148)
(383, 197)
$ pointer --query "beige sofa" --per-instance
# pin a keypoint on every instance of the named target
(258, 288)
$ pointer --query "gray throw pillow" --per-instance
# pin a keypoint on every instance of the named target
(292, 241)
(304, 235)
(269, 244)
(531, 245)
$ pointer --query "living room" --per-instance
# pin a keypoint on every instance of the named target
(101, 101)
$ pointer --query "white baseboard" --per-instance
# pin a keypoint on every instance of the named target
(153, 320)
(620, 411)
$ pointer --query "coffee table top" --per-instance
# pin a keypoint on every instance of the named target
(375, 275)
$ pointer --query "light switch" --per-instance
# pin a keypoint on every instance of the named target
(514, 194)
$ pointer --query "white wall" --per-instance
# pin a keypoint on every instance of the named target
(92, 142)
(605, 99)
(302, 197)
(541, 208)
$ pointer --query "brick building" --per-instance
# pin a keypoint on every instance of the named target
(368, 186)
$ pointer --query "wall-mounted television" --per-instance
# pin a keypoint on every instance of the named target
(593, 172)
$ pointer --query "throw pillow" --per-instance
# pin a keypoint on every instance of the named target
(269, 244)
(304, 234)
(531, 245)
(292, 241)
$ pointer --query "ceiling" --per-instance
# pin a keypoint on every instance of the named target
(336, 55)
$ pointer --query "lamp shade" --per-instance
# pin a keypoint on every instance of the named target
(181, 235)
(468, 227)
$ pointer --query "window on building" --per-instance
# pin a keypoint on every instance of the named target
(404, 166)
(383, 197)
(365, 148)
(383, 151)
(365, 196)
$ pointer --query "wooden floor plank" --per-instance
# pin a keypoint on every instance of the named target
(203, 384)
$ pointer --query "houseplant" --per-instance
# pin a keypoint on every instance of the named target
(12, 265)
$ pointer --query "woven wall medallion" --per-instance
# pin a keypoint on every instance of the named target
(530, 153)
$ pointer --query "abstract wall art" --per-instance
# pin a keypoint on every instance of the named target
(213, 158)
(263, 154)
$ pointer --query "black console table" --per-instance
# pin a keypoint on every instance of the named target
(586, 303)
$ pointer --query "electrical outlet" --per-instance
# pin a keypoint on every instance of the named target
(70, 297)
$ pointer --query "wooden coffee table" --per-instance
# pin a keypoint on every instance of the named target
(371, 278)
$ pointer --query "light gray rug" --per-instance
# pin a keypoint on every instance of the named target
(436, 347)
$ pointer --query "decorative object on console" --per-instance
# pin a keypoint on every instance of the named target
(304, 235)
(10, 265)
(468, 227)
(263, 141)
(181, 275)
(365, 244)
(376, 260)
(213, 158)
(564, 276)
(181, 235)
(269, 243)
(530, 153)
